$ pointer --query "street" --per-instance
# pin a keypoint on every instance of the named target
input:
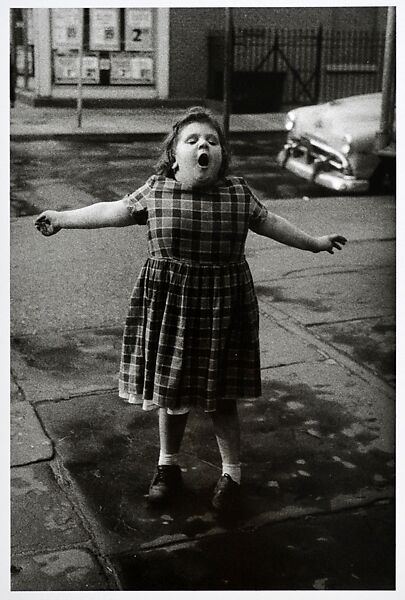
(318, 447)
(108, 170)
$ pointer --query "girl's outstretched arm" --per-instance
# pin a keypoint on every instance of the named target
(281, 230)
(100, 214)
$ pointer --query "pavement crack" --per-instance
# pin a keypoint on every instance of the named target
(284, 364)
(35, 462)
(17, 385)
(204, 461)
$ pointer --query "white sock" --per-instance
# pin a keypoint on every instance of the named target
(168, 459)
(234, 471)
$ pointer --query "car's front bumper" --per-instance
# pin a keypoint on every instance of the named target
(321, 172)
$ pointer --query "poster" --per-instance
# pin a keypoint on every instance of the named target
(66, 69)
(90, 69)
(104, 29)
(142, 69)
(66, 27)
(127, 68)
(138, 29)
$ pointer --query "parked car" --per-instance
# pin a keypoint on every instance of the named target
(333, 145)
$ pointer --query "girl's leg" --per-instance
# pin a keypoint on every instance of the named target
(171, 431)
(167, 479)
(227, 433)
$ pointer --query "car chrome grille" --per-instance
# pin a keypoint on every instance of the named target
(312, 151)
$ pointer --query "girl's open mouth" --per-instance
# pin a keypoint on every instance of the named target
(203, 160)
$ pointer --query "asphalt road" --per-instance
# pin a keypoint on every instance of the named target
(107, 171)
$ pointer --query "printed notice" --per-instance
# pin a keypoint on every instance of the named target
(138, 29)
(90, 69)
(66, 69)
(127, 68)
(66, 27)
(104, 29)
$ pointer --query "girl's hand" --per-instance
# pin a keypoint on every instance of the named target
(330, 242)
(47, 223)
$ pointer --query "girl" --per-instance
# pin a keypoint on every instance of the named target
(192, 333)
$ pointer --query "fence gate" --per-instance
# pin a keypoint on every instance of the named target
(271, 68)
(286, 62)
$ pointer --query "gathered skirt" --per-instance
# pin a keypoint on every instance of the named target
(191, 336)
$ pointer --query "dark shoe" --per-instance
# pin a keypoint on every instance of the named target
(226, 495)
(165, 484)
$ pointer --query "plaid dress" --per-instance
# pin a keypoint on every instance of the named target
(192, 331)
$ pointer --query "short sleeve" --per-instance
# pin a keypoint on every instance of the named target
(257, 210)
(137, 202)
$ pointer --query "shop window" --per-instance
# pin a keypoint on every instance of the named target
(118, 45)
(24, 43)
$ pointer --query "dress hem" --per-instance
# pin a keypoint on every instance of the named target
(149, 405)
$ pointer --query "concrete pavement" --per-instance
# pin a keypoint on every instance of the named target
(28, 122)
(318, 447)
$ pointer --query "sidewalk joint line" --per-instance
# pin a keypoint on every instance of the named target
(289, 324)
(322, 271)
(357, 320)
(75, 395)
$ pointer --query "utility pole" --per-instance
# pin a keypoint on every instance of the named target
(228, 69)
(388, 83)
(80, 74)
(13, 66)
(25, 46)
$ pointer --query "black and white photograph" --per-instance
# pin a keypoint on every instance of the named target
(203, 284)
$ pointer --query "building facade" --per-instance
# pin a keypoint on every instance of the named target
(123, 53)
(131, 55)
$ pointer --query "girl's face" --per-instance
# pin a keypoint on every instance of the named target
(198, 155)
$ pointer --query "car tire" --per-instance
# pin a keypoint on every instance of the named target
(383, 180)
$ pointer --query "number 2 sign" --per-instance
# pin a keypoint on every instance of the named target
(136, 35)
(138, 29)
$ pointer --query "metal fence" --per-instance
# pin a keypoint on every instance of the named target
(291, 67)
(352, 63)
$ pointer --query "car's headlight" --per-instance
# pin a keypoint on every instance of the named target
(347, 146)
(290, 121)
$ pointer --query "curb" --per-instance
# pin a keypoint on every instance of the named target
(290, 324)
(362, 499)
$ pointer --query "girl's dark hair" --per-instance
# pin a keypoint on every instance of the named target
(199, 114)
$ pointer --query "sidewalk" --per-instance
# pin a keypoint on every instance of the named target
(318, 464)
(318, 445)
(35, 122)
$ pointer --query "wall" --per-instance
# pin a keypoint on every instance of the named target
(335, 17)
(188, 70)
